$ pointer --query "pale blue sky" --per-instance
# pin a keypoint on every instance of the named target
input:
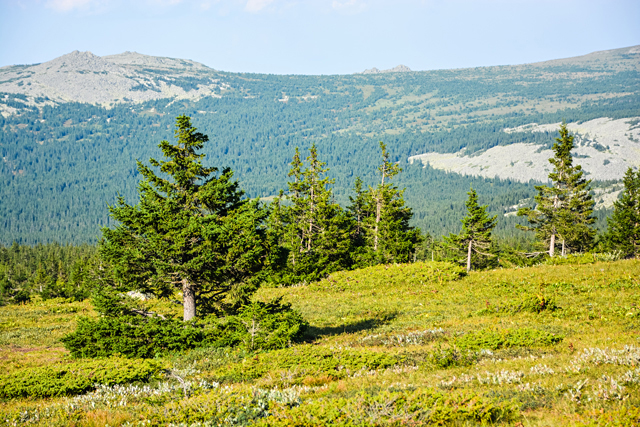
(319, 36)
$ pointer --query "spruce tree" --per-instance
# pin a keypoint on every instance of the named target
(192, 231)
(623, 231)
(383, 218)
(563, 210)
(312, 226)
(475, 237)
(359, 209)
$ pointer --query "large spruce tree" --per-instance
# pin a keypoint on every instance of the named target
(623, 231)
(475, 238)
(563, 210)
(192, 231)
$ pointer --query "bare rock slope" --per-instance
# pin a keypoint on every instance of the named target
(127, 77)
(604, 147)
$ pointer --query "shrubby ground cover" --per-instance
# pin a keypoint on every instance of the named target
(407, 344)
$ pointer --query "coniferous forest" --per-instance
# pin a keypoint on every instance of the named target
(62, 163)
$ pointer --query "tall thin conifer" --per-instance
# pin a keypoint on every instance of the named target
(564, 210)
(475, 237)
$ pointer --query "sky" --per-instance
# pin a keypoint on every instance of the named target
(319, 36)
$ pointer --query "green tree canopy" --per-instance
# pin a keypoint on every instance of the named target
(564, 209)
(192, 231)
(382, 218)
(311, 225)
(475, 237)
(623, 231)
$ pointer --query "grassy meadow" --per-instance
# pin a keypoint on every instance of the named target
(412, 344)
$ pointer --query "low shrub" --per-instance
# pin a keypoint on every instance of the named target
(529, 397)
(494, 339)
(264, 326)
(588, 258)
(256, 326)
(132, 337)
(75, 378)
(219, 408)
(622, 417)
(307, 360)
(416, 407)
(537, 303)
(444, 358)
(403, 340)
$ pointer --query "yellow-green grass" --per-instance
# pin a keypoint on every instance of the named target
(394, 318)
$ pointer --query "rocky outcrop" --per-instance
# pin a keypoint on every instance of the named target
(397, 69)
(127, 77)
(605, 148)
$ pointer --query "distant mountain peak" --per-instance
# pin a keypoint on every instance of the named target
(138, 59)
(77, 61)
(125, 77)
(397, 69)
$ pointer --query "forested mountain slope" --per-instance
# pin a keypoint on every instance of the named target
(72, 128)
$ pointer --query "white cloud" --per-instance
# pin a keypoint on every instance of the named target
(164, 2)
(67, 5)
(257, 5)
(349, 6)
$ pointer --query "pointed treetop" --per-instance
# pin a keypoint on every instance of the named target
(184, 164)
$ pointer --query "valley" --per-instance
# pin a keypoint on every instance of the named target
(72, 128)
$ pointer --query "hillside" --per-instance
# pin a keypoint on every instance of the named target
(412, 344)
(73, 127)
(605, 148)
(127, 77)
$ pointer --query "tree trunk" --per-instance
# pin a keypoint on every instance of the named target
(378, 211)
(188, 300)
(378, 217)
(564, 253)
(552, 245)
(311, 208)
(469, 256)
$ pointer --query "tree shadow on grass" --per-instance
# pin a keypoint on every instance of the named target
(369, 323)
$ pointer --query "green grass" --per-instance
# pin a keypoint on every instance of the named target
(414, 344)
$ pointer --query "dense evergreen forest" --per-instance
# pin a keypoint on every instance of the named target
(62, 164)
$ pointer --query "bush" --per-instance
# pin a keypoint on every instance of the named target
(307, 361)
(444, 358)
(75, 378)
(588, 258)
(391, 408)
(132, 337)
(537, 304)
(491, 339)
(265, 326)
(256, 326)
(622, 417)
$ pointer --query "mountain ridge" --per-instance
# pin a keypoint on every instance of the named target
(132, 77)
(126, 77)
